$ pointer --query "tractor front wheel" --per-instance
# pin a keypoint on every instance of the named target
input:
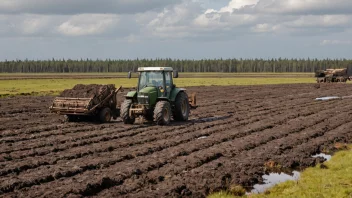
(162, 113)
(125, 112)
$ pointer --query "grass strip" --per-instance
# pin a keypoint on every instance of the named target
(332, 179)
(50, 86)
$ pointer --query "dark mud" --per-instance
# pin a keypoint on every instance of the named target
(235, 136)
(87, 91)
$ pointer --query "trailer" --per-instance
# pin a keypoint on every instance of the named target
(100, 105)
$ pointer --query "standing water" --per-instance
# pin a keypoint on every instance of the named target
(327, 157)
(273, 179)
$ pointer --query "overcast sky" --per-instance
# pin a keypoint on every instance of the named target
(185, 29)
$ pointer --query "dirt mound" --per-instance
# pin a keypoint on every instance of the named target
(95, 91)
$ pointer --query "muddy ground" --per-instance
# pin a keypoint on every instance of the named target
(231, 136)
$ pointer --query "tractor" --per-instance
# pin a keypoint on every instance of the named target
(157, 98)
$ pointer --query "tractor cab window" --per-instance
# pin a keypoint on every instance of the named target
(168, 81)
(150, 79)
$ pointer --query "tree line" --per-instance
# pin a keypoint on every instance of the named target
(204, 65)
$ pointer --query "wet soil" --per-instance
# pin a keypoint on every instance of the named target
(230, 139)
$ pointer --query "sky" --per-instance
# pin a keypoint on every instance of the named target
(177, 29)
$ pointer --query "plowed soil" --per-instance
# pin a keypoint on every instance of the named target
(227, 141)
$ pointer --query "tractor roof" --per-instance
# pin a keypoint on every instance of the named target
(155, 69)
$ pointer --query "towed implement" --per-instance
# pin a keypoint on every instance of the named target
(83, 101)
(157, 98)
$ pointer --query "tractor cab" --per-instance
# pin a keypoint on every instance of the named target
(154, 83)
(160, 78)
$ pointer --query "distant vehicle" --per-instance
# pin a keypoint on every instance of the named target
(334, 75)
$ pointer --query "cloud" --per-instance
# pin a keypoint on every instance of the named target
(71, 7)
(132, 38)
(174, 18)
(212, 20)
(175, 21)
(321, 21)
(34, 24)
(189, 20)
(294, 17)
(238, 4)
(28, 25)
(265, 27)
(194, 22)
(88, 24)
(336, 42)
(227, 16)
(303, 7)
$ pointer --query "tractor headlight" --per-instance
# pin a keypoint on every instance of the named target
(143, 98)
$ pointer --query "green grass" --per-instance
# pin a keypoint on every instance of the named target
(63, 74)
(53, 86)
(184, 82)
(250, 74)
(187, 73)
(335, 181)
(5, 76)
(119, 74)
(222, 194)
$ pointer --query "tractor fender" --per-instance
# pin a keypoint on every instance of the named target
(131, 95)
(174, 93)
(163, 99)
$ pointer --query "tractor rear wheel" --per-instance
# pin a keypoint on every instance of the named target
(125, 112)
(181, 111)
(105, 115)
(162, 113)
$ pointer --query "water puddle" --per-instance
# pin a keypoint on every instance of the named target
(203, 137)
(273, 179)
(270, 180)
(328, 98)
(325, 156)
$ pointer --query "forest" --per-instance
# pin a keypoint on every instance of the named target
(204, 65)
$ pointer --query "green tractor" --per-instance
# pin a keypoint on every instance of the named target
(157, 98)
